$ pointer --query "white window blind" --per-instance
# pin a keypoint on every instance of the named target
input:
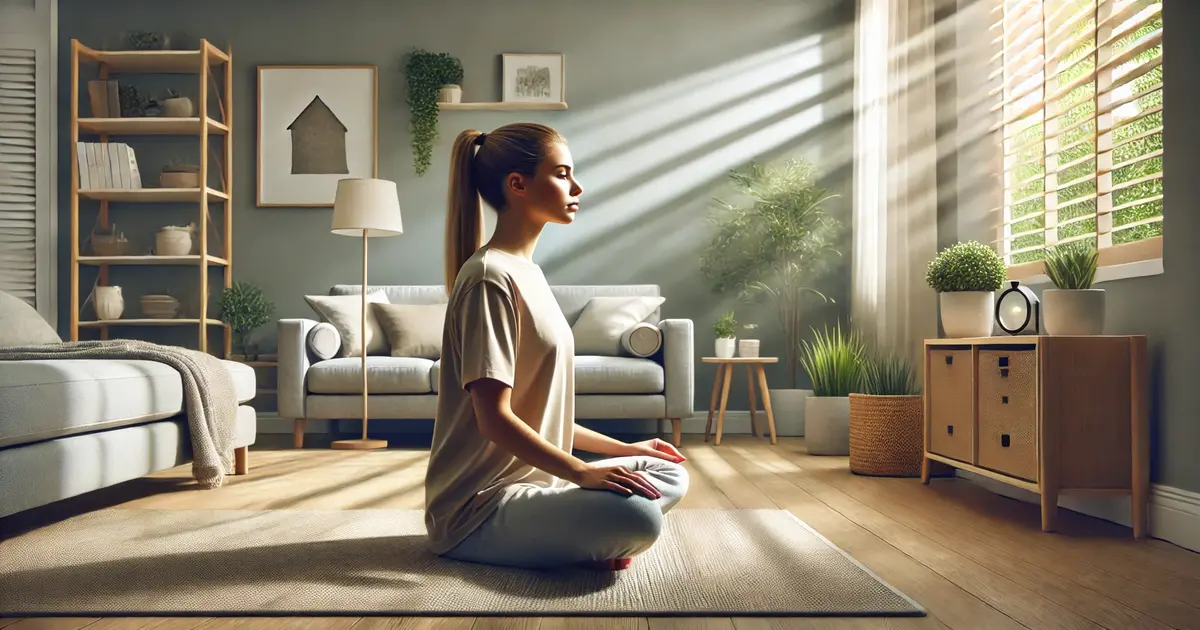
(1078, 94)
(18, 176)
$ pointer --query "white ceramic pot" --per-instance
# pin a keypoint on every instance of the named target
(968, 313)
(748, 348)
(1073, 311)
(178, 107)
(173, 241)
(109, 303)
(450, 93)
(725, 347)
(787, 405)
(827, 425)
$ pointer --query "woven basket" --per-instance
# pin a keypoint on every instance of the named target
(886, 435)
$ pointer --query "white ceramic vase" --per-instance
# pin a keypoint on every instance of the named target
(173, 241)
(1073, 311)
(827, 425)
(788, 406)
(725, 347)
(108, 302)
(967, 313)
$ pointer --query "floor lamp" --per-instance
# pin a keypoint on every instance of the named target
(365, 208)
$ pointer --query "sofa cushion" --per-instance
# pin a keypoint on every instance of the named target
(53, 398)
(324, 340)
(617, 375)
(413, 330)
(21, 324)
(605, 319)
(385, 375)
(345, 313)
(435, 374)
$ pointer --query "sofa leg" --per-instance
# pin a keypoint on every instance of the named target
(241, 460)
(677, 431)
(298, 433)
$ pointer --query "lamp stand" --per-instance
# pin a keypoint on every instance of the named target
(363, 443)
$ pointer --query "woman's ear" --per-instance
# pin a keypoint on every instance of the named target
(515, 183)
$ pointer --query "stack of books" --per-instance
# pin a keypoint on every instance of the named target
(107, 165)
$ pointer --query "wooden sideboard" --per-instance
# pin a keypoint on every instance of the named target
(1049, 414)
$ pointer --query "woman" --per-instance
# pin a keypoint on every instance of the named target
(503, 486)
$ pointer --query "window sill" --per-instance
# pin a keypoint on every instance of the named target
(1126, 271)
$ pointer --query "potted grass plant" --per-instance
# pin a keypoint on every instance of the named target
(834, 363)
(886, 419)
(966, 277)
(1074, 307)
(724, 328)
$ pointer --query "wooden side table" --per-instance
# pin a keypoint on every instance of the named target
(725, 367)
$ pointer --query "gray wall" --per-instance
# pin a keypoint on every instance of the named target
(665, 96)
(1163, 306)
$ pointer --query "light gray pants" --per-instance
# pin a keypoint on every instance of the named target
(548, 527)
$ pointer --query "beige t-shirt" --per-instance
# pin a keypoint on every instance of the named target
(502, 322)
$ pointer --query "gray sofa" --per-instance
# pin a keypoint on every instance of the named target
(72, 426)
(658, 386)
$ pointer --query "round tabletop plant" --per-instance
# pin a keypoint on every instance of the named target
(244, 307)
(966, 276)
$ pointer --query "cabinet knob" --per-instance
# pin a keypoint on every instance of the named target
(1003, 361)
(950, 429)
(1003, 372)
(1004, 441)
(949, 360)
(1004, 399)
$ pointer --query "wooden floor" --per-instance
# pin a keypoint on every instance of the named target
(975, 560)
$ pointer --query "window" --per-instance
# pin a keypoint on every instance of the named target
(1078, 98)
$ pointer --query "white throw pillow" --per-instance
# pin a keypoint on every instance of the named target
(324, 340)
(413, 330)
(605, 319)
(345, 313)
(22, 325)
(642, 340)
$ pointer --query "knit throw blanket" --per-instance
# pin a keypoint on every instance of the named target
(208, 393)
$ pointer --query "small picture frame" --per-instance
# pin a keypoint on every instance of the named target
(316, 125)
(534, 78)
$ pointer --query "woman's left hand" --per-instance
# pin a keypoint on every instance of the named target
(657, 448)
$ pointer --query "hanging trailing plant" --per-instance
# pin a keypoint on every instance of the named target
(427, 73)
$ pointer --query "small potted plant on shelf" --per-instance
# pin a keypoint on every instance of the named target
(966, 276)
(179, 175)
(724, 328)
(886, 430)
(1074, 307)
(834, 363)
(432, 78)
(244, 307)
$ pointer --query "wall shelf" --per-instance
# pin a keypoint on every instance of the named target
(500, 106)
(191, 321)
(150, 195)
(150, 126)
(193, 259)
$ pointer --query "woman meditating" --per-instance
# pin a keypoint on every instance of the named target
(503, 486)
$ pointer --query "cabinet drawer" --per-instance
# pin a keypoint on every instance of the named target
(1008, 403)
(950, 391)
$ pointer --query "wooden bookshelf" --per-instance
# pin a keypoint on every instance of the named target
(213, 70)
(501, 106)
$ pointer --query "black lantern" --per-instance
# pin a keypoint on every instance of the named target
(1017, 310)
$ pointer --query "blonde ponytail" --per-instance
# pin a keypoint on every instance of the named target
(464, 217)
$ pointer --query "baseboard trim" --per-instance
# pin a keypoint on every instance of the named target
(736, 423)
(1174, 512)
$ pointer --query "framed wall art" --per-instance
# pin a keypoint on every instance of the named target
(534, 78)
(316, 125)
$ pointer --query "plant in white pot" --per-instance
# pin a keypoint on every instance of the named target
(724, 328)
(966, 276)
(774, 245)
(1074, 307)
(835, 361)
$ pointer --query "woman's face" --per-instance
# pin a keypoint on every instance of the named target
(552, 194)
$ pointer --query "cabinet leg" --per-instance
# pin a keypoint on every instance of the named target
(925, 470)
(1049, 509)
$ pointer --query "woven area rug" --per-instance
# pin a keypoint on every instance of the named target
(298, 562)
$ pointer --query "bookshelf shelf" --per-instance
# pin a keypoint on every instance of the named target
(111, 174)
(150, 126)
(151, 195)
(501, 106)
(193, 259)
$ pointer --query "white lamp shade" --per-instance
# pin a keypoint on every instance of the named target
(366, 207)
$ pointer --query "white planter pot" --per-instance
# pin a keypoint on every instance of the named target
(725, 347)
(827, 425)
(109, 303)
(1073, 311)
(787, 405)
(968, 313)
(450, 93)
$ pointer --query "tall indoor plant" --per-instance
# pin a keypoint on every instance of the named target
(1074, 307)
(775, 244)
(966, 277)
(834, 361)
(427, 73)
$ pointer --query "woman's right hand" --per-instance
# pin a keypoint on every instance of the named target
(618, 479)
